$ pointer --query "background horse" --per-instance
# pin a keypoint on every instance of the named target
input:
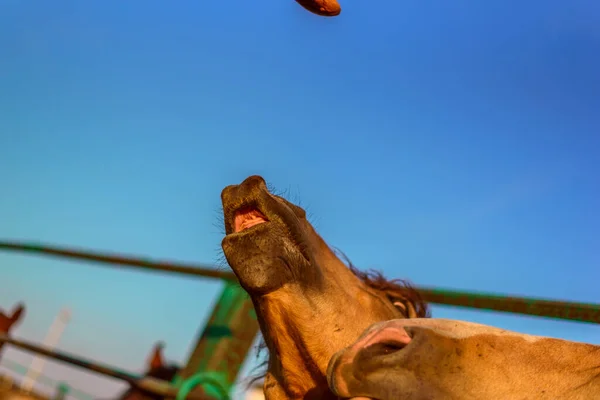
(155, 368)
(8, 322)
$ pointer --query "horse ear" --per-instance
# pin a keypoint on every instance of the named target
(156, 359)
(17, 313)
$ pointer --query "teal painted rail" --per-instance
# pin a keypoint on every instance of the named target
(224, 344)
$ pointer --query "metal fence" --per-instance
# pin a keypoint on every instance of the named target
(214, 364)
(226, 339)
(59, 388)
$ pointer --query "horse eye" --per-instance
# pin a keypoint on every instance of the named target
(402, 308)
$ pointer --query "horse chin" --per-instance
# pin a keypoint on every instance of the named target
(262, 258)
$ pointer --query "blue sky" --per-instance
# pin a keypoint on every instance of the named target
(455, 144)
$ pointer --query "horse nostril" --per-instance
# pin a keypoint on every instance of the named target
(386, 347)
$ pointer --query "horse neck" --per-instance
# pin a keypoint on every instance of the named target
(303, 330)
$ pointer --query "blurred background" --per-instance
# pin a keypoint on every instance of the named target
(455, 144)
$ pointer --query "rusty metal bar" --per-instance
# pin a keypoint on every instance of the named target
(21, 370)
(581, 312)
(115, 259)
(152, 385)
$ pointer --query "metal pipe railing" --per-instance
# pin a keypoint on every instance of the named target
(115, 259)
(566, 310)
(149, 384)
(20, 369)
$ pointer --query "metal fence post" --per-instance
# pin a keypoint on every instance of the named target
(223, 345)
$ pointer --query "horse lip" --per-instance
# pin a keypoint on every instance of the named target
(333, 369)
(389, 335)
(333, 361)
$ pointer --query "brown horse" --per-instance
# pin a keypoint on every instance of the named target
(7, 323)
(155, 368)
(422, 359)
(308, 302)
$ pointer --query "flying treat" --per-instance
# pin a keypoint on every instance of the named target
(325, 8)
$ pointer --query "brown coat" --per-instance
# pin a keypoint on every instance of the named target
(309, 303)
(444, 359)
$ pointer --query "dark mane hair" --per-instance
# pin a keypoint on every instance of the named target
(396, 290)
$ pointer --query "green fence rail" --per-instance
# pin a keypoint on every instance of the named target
(222, 347)
(227, 337)
(566, 310)
(148, 384)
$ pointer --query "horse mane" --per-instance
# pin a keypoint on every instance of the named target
(396, 290)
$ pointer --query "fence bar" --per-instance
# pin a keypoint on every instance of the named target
(44, 380)
(223, 345)
(581, 312)
(148, 384)
(115, 259)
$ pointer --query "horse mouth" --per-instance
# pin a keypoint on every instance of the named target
(246, 217)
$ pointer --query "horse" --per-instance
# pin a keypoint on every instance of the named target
(155, 368)
(7, 323)
(309, 303)
(421, 359)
